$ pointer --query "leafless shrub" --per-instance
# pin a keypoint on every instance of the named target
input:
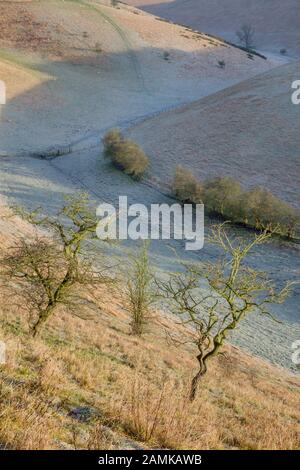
(224, 196)
(139, 291)
(186, 187)
(221, 194)
(260, 208)
(125, 153)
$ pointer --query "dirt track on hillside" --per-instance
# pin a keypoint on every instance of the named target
(100, 67)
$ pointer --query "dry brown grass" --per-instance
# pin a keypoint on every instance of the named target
(164, 416)
(134, 388)
(19, 28)
(138, 387)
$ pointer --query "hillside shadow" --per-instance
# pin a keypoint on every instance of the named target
(273, 32)
(34, 182)
(85, 95)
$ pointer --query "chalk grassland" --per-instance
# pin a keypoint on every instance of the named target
(96, 66)
(87, 383)
(77, 85)
(249, 131)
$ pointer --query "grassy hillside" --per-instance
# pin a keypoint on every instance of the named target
(276, 22)
(249, 131)
(98, 66)
(88, 383)
(73, 69)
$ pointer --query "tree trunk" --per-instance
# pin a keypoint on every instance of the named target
(197, 378)
(41, 320)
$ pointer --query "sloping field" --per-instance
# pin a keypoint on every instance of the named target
(90, 384)
(98, 67)
(95, 66)
(277, 22)
(250, 131)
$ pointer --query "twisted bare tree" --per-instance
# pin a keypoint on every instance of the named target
(233, 291)
(48, 270)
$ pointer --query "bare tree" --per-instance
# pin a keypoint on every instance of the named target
(48, 271)
(139, 292)
(246, 36)
(234, 291)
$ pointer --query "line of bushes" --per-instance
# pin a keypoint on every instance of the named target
(125, 154)
(222, 196)
(225, 197)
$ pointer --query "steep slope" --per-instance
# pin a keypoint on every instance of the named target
(100, 66)
(90, 384)
(68, 90)
(277, 22)
(250, 131)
